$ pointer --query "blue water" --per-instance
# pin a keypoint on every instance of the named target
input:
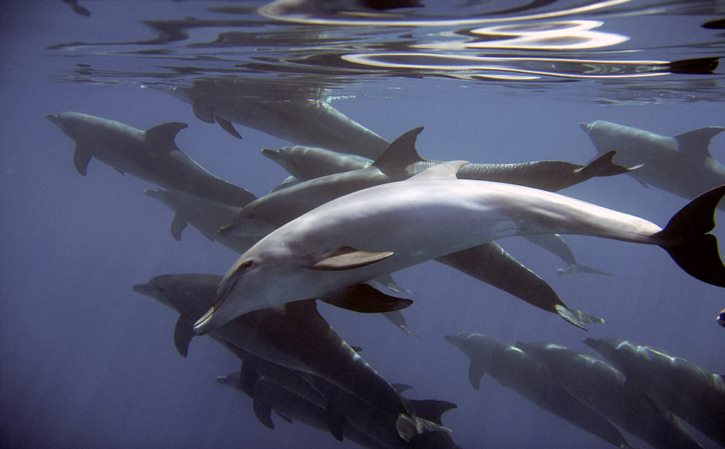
(88, 363)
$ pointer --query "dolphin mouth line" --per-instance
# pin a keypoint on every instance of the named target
(205, 320)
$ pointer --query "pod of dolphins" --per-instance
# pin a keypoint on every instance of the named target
(357, 208)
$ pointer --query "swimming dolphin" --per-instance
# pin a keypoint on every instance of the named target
(681, 165)
(690, 392)
(206, 216)
(150, 155)
(603, 388)
(262, 105)
(295, 336)
(515, 369)
(392, 226)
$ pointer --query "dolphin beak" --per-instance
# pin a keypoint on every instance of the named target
(144, 289)
(449, 338)
(585, 126)
(55, 118)
(271, 153)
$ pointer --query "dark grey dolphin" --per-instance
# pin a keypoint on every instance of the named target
(515, 369)
(150, 155)
(320, 366)
(603, 388)
(262, 105)
(690, 392)
(295, 336)
(681, 165)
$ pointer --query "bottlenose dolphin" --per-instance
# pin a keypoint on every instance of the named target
(389, 227)
(150, 155)
(206, 216)
(681, 165)
(690, 392)
(603, 388)
(297, 119)
(295, 336)
(515, 369)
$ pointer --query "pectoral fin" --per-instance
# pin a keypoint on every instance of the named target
(227, 126)
(347, 258)
(475, 373)
(183, 333)
(263, 412)
(365, 299)
(81, 158)
(177, 227)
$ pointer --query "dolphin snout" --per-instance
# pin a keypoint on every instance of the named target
(55, 118)
(271, 153)
(585, 126)
(144, 289)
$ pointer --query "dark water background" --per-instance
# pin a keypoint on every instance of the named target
(87, 363)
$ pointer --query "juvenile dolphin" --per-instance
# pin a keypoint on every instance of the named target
(603, 388)
(690, 392)
(150, 155)
(681, 165)
(515, 369)
(262, 105)
(389, 227)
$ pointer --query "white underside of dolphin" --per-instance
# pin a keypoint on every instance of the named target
(386, 228)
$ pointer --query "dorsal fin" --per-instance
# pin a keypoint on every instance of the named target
(696, 143)
(400, 153)
(444, 170)
(162, 136)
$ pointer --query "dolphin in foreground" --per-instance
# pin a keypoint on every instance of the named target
(151, 155)
(603, 388)
(515, 369)
(681, 165)
(690, 392)
(386, 228)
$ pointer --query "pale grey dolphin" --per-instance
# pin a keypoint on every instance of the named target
(150, 155)
(305, 163)
(489, 263)
(206, 216)
(389, 227)
(515, 369)
(689, 391)
(604, 388)
(681, 165)
(299, 120)
(295, 336)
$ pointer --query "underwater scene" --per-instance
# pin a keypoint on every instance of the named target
(394, 224)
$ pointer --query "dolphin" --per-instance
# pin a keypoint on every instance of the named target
(389, 227)
(364, 424)
(681, 165)
(295, 336)
(206, 216)
(296, 118)
(603, 388)
(489, 263)
(690, 392)
(321, 367)
(515, 369)
(150, 155)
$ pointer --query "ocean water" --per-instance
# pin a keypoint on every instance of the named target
(88, 363)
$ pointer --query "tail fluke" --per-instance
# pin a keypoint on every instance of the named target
(687, 240)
